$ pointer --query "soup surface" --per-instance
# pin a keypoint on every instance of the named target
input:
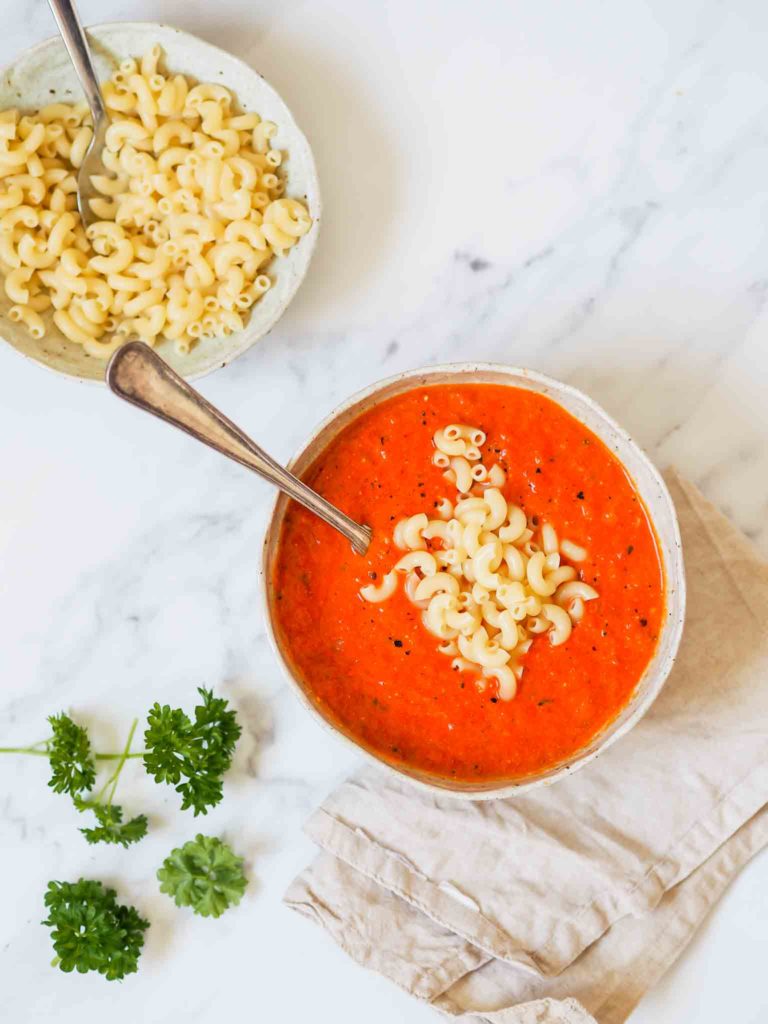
(375, 670)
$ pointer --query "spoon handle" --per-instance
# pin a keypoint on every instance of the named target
(77, 46)
(138, 375)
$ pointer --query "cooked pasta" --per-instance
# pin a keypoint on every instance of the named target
(188, 226)
(488, 581)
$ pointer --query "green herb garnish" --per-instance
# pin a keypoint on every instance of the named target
(203, 874)
(91, 931)
(192, 756)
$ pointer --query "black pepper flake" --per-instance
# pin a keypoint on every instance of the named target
(395, 750)
(594, 648)
(643, 622)
(546, 700)
(494, 700)
(535, 520)
(372, 575)
(391, 518)
(630, 549)
(407, 653)
(580, 495)
(398, 643)
(461, 686)
(538, 469)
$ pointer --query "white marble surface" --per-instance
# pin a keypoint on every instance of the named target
(580, 188)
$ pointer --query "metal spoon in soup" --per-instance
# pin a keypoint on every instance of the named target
(138, 375)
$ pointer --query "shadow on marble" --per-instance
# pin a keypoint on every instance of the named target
(258, 721)
(361, 173)
(163, 916)
(688, 414)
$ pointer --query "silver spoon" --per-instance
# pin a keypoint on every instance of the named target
(74, 39)
(141, 377)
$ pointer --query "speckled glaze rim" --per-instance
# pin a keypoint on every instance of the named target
(253, 331)
(659, 507)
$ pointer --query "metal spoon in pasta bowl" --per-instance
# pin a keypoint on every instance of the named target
(138, 375)
(77, 46)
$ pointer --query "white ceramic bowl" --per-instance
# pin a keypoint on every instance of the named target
(44, 74)
(648, 483)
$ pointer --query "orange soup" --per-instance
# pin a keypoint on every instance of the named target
(375, 670)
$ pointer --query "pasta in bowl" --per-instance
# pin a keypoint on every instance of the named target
(523, 597)
(207, 217)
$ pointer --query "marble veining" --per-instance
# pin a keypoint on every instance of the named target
(576, 188)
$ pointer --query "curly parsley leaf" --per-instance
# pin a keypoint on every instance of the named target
(69, 751)
(203, 874)
(192, 756)
(91, 931)
(112, 828)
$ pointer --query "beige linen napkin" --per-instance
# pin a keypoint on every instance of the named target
(566, 904)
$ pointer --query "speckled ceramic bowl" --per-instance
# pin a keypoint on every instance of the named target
(45, 74)
(651, 488)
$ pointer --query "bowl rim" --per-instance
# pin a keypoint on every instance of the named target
(310, 239)
(673, 624)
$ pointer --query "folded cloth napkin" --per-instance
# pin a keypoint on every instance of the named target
(566, 904)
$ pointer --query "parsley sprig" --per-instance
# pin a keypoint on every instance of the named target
(203, 874)
(192, 755)
(111, 828)
(91, 931)
(73, 771)
(69, 752)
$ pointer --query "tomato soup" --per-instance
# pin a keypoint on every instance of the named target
(374, 669)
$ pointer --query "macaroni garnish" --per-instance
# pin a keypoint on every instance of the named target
(488, 580)
(190, 219)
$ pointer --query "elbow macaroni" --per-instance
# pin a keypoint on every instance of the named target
(187, 226)
(486, 581)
